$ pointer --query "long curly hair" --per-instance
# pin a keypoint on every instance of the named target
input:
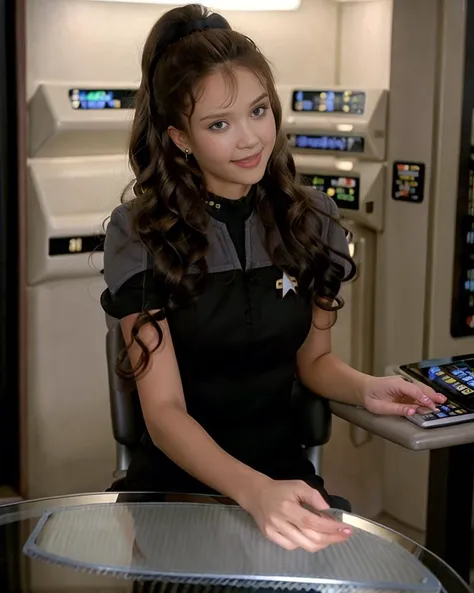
(168, 207)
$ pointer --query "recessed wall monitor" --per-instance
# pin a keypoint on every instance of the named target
(344, 190)
(329, 101)
(335, 120)
(356, 186)
(462, 302)
(75, 245)
(102, 99)
(353, 144)
(69, 120)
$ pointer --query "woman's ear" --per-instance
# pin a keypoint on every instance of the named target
(180, 139)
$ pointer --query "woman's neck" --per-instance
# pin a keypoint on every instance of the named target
(229, 191)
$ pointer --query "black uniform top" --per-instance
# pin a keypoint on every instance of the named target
(236, 345)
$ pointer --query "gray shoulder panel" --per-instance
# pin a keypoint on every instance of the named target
(222, 255)
(333, 233)
(124, 254)
(256, 254)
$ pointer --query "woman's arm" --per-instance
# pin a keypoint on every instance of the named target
(173, 430)
(323, 372)
(275, 506)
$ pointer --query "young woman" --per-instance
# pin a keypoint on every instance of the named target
(225, 274)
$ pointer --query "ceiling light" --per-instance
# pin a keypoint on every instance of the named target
(344, 165)
(345, 127)
(243, 5)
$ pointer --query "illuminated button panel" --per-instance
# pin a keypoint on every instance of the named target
(325, 101)
(344, 190)
(321, 142)
(100, 99)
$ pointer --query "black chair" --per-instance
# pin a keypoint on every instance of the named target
(313, 412)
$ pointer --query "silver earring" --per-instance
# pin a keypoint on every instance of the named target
(186, 154)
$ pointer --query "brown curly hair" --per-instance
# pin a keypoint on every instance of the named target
(168, 208)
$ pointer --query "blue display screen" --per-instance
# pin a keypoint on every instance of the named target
(350, 102)
(327, 143)
(102, 99)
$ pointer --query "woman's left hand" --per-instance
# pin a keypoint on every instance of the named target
(398, 397)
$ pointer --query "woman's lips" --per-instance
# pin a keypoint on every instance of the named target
(249, 162)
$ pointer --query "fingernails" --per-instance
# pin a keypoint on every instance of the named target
(411, 412)
(347, 531)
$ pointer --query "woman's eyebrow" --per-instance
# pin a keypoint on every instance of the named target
(224, 113)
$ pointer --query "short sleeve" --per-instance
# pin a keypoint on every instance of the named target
(335, 238)
(128, 273)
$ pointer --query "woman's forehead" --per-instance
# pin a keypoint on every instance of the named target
(227, 89)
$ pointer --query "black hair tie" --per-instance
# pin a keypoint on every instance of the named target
(213, 21)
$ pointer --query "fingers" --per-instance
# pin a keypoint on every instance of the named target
(313, 520)
(423, 396)
(292, 526)
(307, 539)
(433, 395)
(307, 520)
(312, 497)
(418, 396)
(394, 409)
(302, 518)
(276, 537)
(326, 539)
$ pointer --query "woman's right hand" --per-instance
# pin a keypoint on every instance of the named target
(277, 508)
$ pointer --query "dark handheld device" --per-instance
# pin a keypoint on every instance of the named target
(454, 378)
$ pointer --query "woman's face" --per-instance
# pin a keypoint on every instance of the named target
(231, 133)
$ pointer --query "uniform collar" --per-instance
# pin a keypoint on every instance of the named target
(224, 209)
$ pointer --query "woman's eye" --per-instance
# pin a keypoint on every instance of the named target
(219, 125)
(258, 111)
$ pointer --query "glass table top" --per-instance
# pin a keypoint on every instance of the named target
(129, 542)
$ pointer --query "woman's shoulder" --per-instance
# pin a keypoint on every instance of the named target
(326, 211)
(322, 202)
(124, 253)
(121, 219)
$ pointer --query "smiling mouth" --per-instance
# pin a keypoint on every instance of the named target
(250, 160)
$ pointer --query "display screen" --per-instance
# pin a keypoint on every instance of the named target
(408, 182)
(345, 191)
(454, 377)
(327, 143)
(462, 302)
(352, 102)
(462, 309)
(102, 99)
(76, 245)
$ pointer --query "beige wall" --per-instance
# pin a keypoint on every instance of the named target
(365, 41)
(83, 41)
